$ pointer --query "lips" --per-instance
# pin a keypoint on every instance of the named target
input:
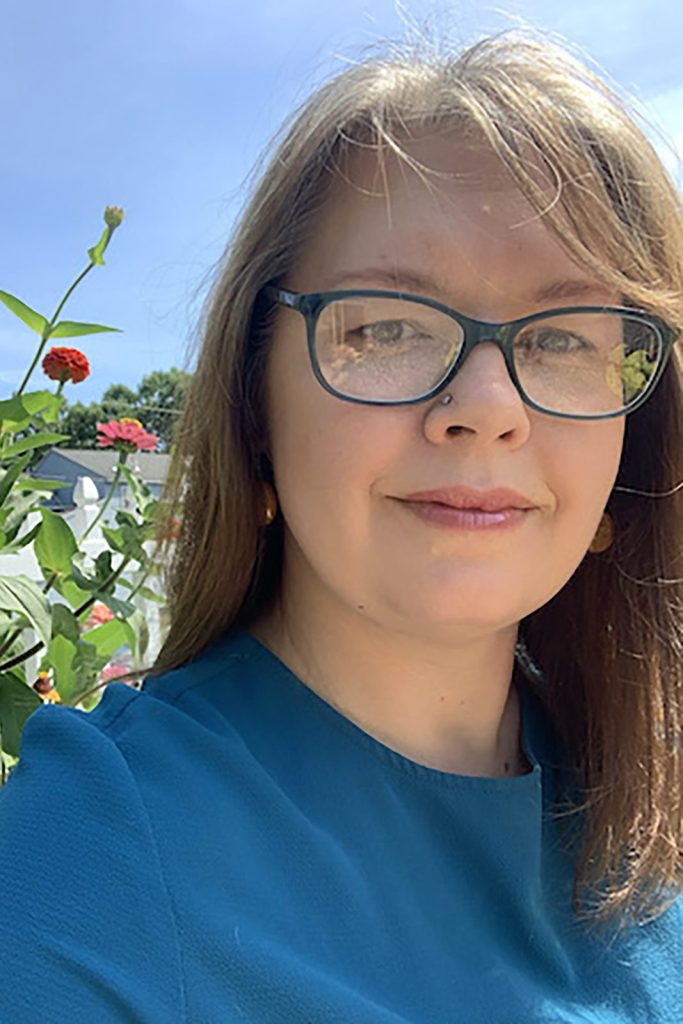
(494, 500)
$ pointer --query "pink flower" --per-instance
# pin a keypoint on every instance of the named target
(64, 364)
(99, 614)
(114, 672)
(126, 435)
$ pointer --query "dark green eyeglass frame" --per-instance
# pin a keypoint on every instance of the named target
(311, 304)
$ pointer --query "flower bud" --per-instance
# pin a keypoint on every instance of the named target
(43, 683)
(113, 216)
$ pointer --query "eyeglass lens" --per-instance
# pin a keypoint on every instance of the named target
(385, 349)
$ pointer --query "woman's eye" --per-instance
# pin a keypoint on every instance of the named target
(383, 331)
(554, 341)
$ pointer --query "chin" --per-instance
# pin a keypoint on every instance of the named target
(480, 612)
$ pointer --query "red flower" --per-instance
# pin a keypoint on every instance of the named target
(64, 364)
(173, 528)
(126, 435)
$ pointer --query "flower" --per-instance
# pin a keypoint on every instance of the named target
(173, 527)
(43, 683)
(64, 364)
(126, 435)
(114, 672)
(99, 614)
(43, 686)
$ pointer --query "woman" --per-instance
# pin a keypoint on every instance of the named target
(411, 751)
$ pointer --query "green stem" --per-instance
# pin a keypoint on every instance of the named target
(12, 638)
(139, 585)
(25, 655)
(51, 326)
(114, 484)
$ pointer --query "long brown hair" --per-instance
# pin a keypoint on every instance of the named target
(610, 644)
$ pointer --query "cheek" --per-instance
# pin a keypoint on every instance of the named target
(326, 453)
(584, 467)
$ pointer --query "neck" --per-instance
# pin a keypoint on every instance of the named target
(447, 705)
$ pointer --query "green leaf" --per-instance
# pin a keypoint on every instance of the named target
(149, 595)
(18, 543)
(11, 476)
(16, 413)
(83, 581)
(8, 624)
(45, 404)
(124, 609)
(22, 595)
(73, 593)
(125, 518)
(72, 329)
(144, 499)
(15, 511)
(37, 401)
(138, 622)
(126, 541)
(60, 654)
(26, 444)
(55, 544)
(87, 664)
(36, 321)
(65, 623)
(103, 567)
(18, 701)
(34, 483)
(82, 571)
(111, 637)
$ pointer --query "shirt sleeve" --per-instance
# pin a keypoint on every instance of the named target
(87, 932)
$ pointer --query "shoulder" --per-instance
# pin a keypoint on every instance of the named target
(198, 692)
(83, 887)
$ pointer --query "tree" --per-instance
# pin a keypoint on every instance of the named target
(80, 423)
(117, 401)
(160, 398)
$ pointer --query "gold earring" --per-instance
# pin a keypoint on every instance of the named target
(270, 503)
(604, 535)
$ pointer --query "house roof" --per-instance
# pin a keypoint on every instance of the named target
(152, 466)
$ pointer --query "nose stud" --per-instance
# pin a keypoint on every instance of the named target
(447, 400)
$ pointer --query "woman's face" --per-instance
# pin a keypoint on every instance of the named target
(343, 470)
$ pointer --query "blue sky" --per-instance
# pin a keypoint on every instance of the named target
(162, 107)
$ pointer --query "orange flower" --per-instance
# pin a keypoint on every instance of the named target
(64, 364)
(99, 614)
(126, 435)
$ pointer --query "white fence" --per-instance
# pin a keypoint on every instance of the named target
(87, 506)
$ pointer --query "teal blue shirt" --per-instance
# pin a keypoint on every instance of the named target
(223, 846)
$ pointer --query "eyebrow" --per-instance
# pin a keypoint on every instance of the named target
(410, 279)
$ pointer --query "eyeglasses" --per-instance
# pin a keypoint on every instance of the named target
(392, 348)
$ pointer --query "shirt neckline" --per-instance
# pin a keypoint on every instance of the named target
(530, 716)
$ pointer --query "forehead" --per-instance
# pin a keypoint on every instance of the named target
(453, 216)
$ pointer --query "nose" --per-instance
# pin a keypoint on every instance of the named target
(485, 404)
